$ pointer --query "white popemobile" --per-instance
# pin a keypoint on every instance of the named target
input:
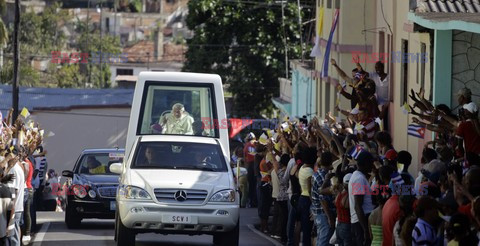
(176, 177)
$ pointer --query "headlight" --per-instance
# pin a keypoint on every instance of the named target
(79, 191)
(92, 194)
(223, 196)
(132, 192)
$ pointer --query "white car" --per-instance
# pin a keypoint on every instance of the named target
(176, 185)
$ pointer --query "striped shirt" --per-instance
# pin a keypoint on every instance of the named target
(318, 179)
(369, 128)
(423, 234)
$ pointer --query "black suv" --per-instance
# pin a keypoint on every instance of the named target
(91, 187)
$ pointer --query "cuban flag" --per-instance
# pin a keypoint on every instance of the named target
(355, 152)
(326, 59)
(416, 131)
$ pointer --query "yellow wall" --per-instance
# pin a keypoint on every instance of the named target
(396, 14)
(349, 32)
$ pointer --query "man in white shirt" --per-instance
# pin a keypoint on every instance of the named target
(382, 88)
(17, 186)
(177, 122)
(360, 198)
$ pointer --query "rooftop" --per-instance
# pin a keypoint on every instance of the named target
(449, 6)
(57, 98)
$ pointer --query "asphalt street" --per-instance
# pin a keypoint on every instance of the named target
(93, 232)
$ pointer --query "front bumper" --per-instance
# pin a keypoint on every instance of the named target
(145, 216)
(101, 209)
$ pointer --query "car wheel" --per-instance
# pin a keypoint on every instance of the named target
(230, 238)
(72, 218)
(125, 236)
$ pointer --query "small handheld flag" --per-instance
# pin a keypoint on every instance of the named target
(416, 131)
(406, 108)
(25, 113)
(355, 152)
(379, 122)
(359, 127)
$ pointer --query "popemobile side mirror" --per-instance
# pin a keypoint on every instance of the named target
(67, 173)
(116, 168)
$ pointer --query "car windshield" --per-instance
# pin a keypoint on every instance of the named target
(178, 109)
(176, 155)
(99, 163)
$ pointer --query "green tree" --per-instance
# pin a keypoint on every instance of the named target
(3, 28)
(107, 45)
(39, 35)
(245, 44)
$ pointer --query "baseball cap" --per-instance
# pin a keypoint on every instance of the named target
(434, 170)
(250, 136)
(465, 92)
(471, 107)
(391, 155)
(347, 178)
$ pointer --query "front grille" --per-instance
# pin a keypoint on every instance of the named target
(107, 192)
(168, 196)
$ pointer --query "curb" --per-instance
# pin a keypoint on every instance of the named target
(259, 233)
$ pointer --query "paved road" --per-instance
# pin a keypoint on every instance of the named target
(53, 232)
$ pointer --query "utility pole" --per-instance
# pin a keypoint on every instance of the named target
(115, 20)
(300, 26)
(16, 58)
(148, 61)
(104, 84)
(87, 49)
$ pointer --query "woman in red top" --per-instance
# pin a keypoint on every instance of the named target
(28, 203)
(343, 214)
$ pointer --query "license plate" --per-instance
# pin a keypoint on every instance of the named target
(179, 219)
(113, 206)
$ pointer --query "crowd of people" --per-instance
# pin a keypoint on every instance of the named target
(331, 181)
(23, 176)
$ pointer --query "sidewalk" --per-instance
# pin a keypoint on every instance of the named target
(255, 227)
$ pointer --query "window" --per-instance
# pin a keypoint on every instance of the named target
(423, 50)
(179, 109)
(381, 42)
(329, 4)
(337, 4)
(98, 163)
(124, 71)
(179, 155)
(404, 72)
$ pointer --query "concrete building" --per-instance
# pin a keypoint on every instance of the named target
(396, 34)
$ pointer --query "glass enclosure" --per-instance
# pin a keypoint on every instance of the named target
(178, 109)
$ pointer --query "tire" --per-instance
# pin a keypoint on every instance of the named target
(50, 205)
(125, 236)
(230, 238)
(116, 227)
(72, 218)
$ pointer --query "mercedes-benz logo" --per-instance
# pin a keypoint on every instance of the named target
(180, 195)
